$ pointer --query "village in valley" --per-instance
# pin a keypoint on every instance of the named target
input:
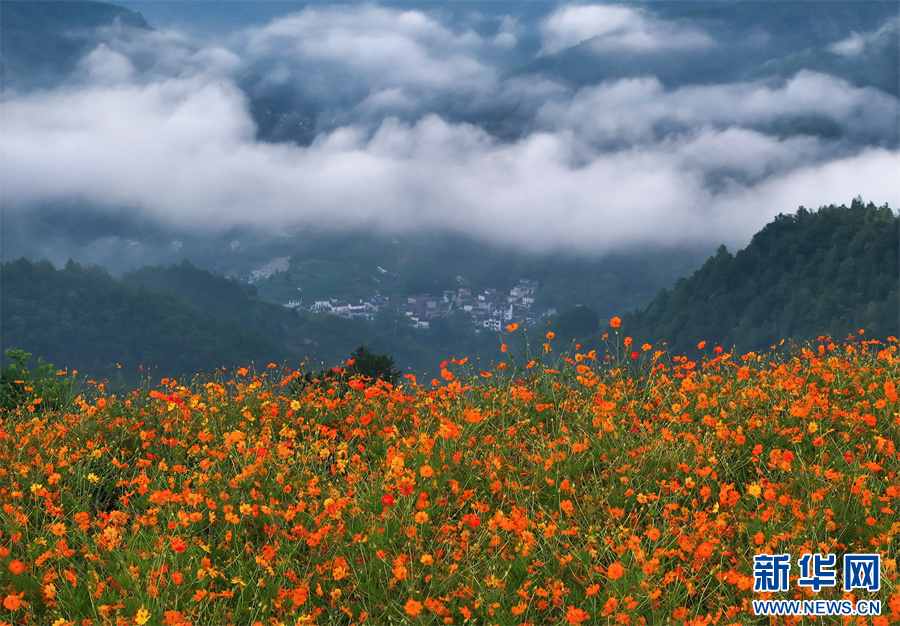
(491, 309)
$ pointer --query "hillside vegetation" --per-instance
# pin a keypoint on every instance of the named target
(83, 318)
(831, 271)
(179, 320)
(826, 272)
(345, 266)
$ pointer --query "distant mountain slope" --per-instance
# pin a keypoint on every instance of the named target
(832, 271)
(81, 318)
(788, 47)
(180, 320)
(41, 42)
(345, 266)
(316, 338)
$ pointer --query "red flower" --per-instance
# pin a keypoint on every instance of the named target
(387, 499)
(848, 457)
(634, 355)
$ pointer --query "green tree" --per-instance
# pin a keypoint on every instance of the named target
(41, 388)
(364, 362)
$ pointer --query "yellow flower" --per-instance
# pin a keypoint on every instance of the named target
(295, 405)
(142, 616)
(754, 490)
(93, 478)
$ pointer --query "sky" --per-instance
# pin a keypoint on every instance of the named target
(589, 128)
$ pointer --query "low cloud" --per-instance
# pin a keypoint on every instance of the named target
(615, 28)
(169, 136)
(857, 43)
(370, 49)
(641, 110)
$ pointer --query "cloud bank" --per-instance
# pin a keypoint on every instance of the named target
(407, 107)
(616, 28)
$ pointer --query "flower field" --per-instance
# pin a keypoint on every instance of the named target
(631, 487)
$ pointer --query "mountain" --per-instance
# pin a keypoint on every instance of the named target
(42, 42)
(828, 272)
(346, 266)
(766, 42)
(179, 320)
(831, 271)
(81, 318)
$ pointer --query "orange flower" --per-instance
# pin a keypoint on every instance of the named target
(426, 471)
(12, 601)
(890, 390)
(58, 529)
(413, 608)
(704, 550)
(615, 571)
(653, 534)
(611, 605)
(512, 327)
(576, 616)
(615, 322)
(16, 566)
(173, 618)
(421, 517)
(178, 544)
(701, 345)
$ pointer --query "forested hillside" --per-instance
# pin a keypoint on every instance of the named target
(179, 320)
(329, 265)
(81, 318)
(832, 271)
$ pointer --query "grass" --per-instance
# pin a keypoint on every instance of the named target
(633, 487)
